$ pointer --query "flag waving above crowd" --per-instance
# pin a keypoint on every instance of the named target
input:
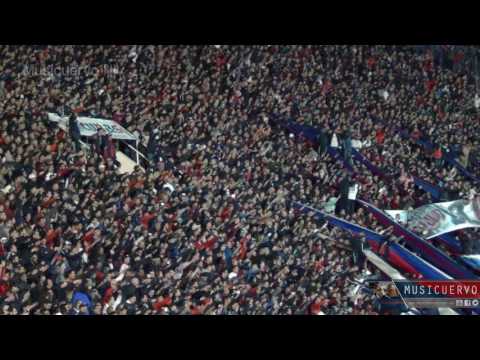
(436, 219)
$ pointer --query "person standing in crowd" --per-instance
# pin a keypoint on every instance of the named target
(109, 150)
(347, 147)
(100, 140)
(74, 131)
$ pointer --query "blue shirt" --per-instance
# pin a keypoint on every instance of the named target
(83, 298)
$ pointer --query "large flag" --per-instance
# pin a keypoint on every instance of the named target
(433, 220)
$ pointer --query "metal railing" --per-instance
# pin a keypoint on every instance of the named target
(134, 153)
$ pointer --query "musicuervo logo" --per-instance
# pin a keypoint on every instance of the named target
(444, 293)
(69, 71)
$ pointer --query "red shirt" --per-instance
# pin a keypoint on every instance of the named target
(380, 136)
(199, 245)
(225, 214)
(52, 236)
(243, 251)
(53, 148)
(210, 243)
(220, 61)
(394, 204)
(88, 237)
(60, 135)
(196, 311)
(99, 276)
(371, 62)
(430, 85)
(108, 295)
(48, 202)
(78, 109)
(63, 171)
(315, 308)
(206, 301)
(159, 305)
(3, 288)
(9, 213)
(428, 65)
(146, 219)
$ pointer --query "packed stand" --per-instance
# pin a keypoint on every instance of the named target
(209, 227)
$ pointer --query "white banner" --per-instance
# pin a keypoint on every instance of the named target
(89, 126)
(352, 192)
(357, 144)
(398, 215)
(434, 220)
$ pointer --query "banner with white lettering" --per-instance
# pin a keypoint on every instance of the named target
(89, 126)
(433, 220)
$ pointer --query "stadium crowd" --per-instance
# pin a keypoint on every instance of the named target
(209, 227)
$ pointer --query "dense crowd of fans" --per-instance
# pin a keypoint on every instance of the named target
(209, 226)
